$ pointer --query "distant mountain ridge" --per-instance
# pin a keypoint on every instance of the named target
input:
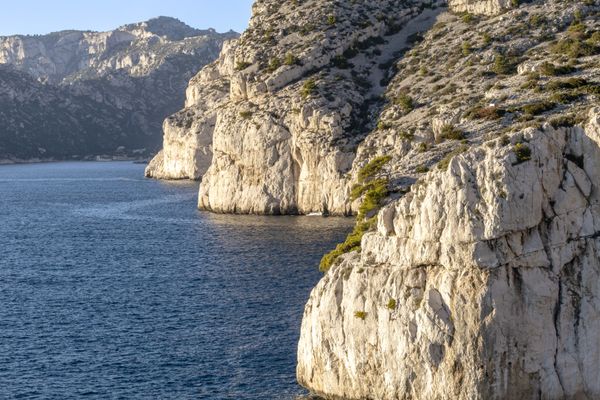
(126, 81)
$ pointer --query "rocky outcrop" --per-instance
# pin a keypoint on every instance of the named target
(118, 85)
(481, 283)
(481, 7)
(187, 149)
(188, 134)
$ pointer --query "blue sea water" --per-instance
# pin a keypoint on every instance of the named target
(113, 286)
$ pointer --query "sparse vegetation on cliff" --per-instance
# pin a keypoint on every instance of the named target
(445, 162)
(451, 132)
(309, 88)
(373, 189)
(392, 304)
(523, 152)
(360, 314)
(242, 65)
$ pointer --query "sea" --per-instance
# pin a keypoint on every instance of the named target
(114, 286)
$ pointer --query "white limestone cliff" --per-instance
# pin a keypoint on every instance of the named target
(188, 134)
(481, 283)
(285, 135)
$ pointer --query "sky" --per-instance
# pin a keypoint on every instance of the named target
(45, 16)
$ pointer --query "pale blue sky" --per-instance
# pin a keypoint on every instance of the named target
(44, 16)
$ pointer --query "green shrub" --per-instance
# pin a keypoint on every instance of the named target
(487, 113)
(445, 162)
(594, 39)
(573, 48)
(468, 18)
(423, 147)
(331, 19)
(242, 65)
(466, 48)
(564, 97)
(372, 198)
(537, 20)
(532, 82)
(450, 132)
(593, 89)
(341, 62)
(487, 39)
(274, 64)
(576, 30)
(405, 102)
(374, 191)
(421, 169)
(537, 108)
(523, 152)
(309, 88)
(407, 136)
(351, 243)
(357, 191)
(392, 304)
(307, 29)
(360, 314)
(550, 69)
(564, 120)
(372, 168)
(382, 125)
(290, 59)
(571, 83)
(246, 114)
(502, 65)
(360, 189)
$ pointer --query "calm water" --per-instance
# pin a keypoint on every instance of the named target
(114, 286)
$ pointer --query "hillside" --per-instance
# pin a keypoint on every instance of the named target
(111, 89)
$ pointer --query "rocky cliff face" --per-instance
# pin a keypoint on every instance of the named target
(134, 76)
(481, 283)
(480, 279)
(289, 103)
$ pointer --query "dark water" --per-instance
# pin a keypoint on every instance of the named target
(115, 287)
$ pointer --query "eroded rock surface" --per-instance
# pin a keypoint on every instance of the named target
(481, 283)
(481, 7)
